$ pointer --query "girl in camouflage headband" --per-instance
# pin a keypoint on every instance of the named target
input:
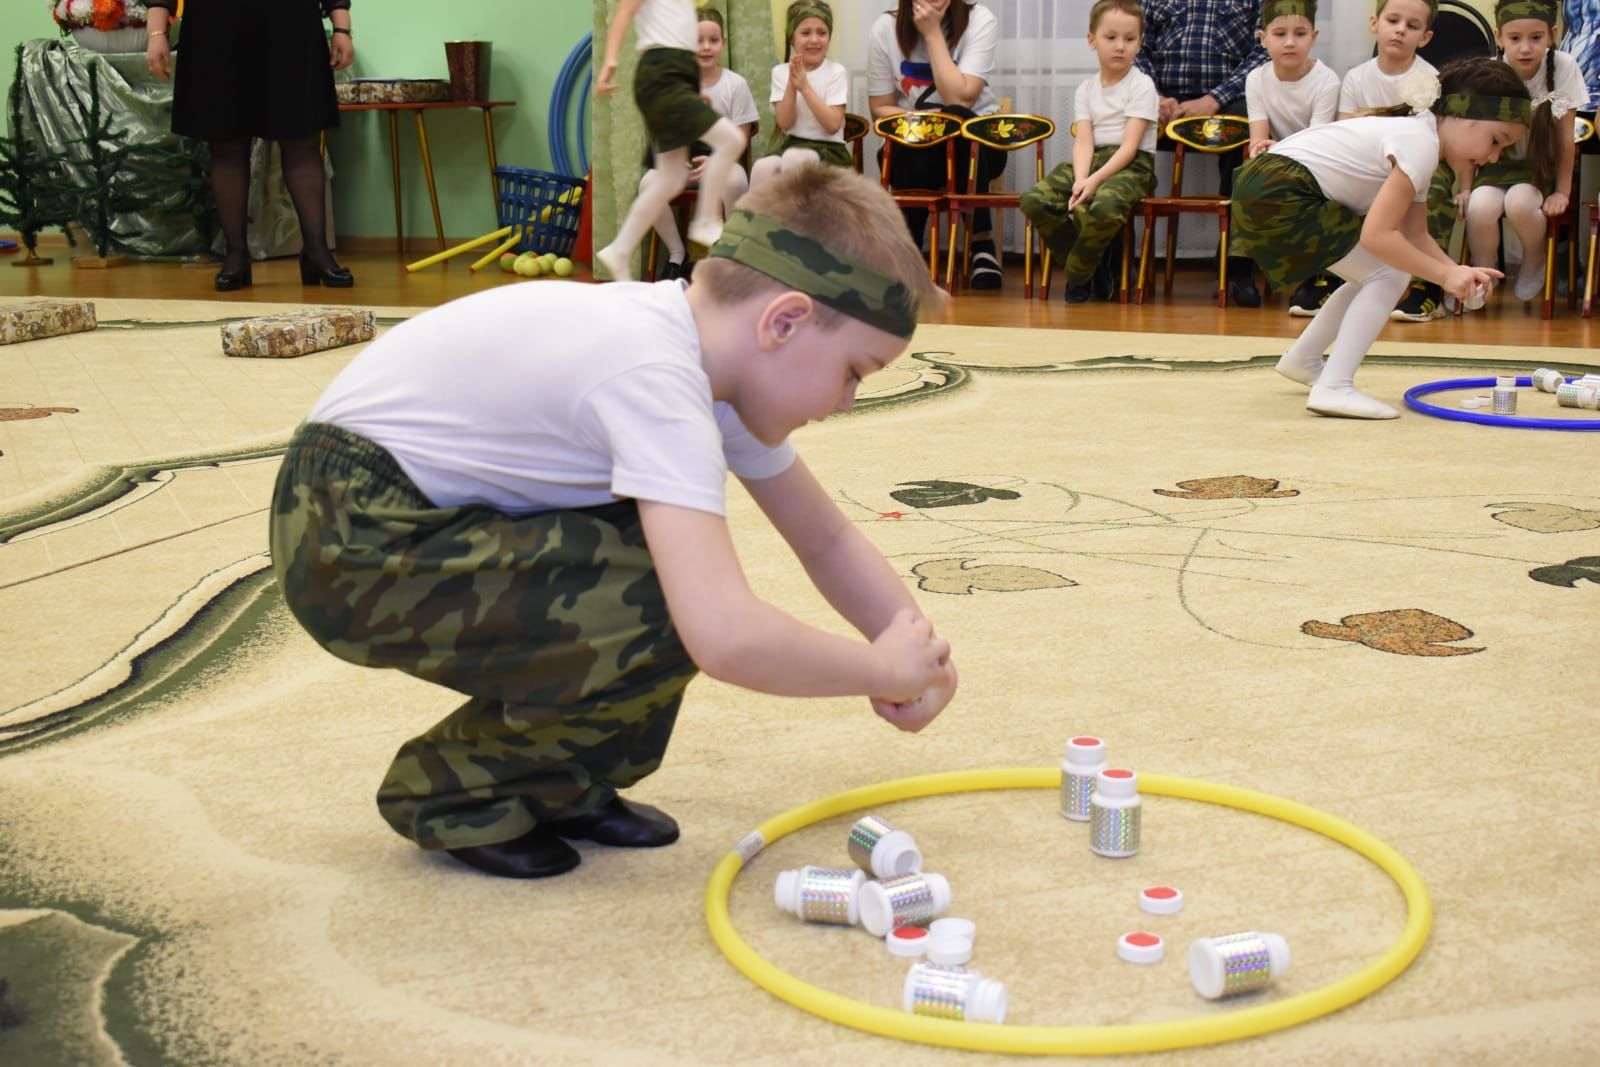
(1533, 183)
(1349, 198)
(809, 92)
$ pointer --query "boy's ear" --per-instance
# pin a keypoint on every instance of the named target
(1427, 35)
(782, 318)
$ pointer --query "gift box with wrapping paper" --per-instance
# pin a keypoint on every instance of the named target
(297, 333)
(35, 319)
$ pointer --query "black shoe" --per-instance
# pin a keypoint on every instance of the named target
(621, 823)
(229, 280)
(1104, 283)
(985, 271)
(1078, 294)
(539, 853)
(334, 277)
(1309, 298)
(1423, 301)
(1242, 292)
(673, 271)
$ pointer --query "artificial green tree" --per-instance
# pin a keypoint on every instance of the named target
(30, 202)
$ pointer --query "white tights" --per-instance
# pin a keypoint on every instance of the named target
(1523, 206)
(1349, 321)
(667, 227)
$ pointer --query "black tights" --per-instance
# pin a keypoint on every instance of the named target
(302, 173)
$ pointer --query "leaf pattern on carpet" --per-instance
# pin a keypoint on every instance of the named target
(1403, 631)
(1569, 574)
(1546, 518)
(954, 576)
(936, 494)
(31, 412)
(1232, 487)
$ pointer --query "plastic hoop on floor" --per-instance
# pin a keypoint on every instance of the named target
(1517, 421)
(1070, 1040)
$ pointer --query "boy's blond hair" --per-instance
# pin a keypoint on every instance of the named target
(1127, 7)
(848, 213)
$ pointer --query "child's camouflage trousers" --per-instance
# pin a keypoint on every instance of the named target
(554, 624)
(1078, 238)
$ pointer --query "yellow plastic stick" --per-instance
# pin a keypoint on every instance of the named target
(497, 253)
(1206, 1029)
(464, 246)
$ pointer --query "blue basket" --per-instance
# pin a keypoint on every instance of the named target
(531, 199)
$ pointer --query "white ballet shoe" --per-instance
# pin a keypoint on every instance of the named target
(705, 231)
(1348, 403)
(1297, 371)
(1529, 285)
(616, 263)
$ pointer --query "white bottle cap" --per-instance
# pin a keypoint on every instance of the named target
(1116, 782)
(877, 913)
(895, 854)
(1474, 402)
(1505, 381)
(986, 1001)
(949, 950)
(1206, 968)
(1161, 900)
(1141, 946)
(953, 927)
(1086, 751)
(908, 941)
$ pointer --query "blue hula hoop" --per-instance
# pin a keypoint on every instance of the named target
(1415, 404)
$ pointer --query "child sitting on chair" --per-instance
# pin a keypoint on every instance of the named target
(1081, 206)
(729, 96)
(809, 93)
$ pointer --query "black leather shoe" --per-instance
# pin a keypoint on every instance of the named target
(539, 853)
(621, 823)
(334, 277)
(1078, 294)
(229, 280)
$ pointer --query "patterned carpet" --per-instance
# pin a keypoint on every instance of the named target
(1139, 536)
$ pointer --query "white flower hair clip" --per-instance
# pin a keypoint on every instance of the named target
(1559, 102)
(1419, 90)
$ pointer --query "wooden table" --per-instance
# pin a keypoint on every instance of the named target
(418, 110)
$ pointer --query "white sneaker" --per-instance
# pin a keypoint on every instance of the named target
(1296, 371)
(1347, 403)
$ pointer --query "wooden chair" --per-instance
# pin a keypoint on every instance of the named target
(684, 199)
(855, 131)
(1007, 133)
(1214, 135)
(1127, 255)
(922, 131)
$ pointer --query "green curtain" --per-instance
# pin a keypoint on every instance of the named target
(617, 143)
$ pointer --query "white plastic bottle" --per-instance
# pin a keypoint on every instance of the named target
(911, 898)
(947, 992)
(1236, 963)
(1114, 813)
(821, 894)
(1086, 757)
(881, 850)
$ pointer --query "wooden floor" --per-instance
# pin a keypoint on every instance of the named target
(383, 281)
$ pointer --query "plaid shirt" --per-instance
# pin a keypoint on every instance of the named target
(1195, 47)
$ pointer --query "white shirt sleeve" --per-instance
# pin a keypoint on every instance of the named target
(1325, 107)
(835, 90)
(741, 102)
(1347, 93)
(657, 424)
(1417, 157)
(881, 59)
(1255, 104)
(1569, 81)
(1143, 100)
(748, 457)
(977, 46)
(1080, 104)
(780, 82)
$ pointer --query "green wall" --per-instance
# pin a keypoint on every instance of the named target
(405, 38)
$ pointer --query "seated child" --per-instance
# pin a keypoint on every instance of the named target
(809, 93)
(519, 495)
(1285, 96)
(1081, 206)
(729, 96)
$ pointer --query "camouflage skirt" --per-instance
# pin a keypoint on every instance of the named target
(666, 87)
(1282, 219)
(833, 153)
(553, 624)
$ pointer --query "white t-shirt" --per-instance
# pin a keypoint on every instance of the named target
(1569, 86)
(1109, 107)
(666, 24)
(1351, 159)
(908, 77)
(1366, 86)
(556, 395)
(1289, 107)
(831, 81)
(731, 98)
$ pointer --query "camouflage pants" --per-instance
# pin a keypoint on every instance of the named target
(666, 87)
(553, 624)
(1078, 238)
(1441, 205)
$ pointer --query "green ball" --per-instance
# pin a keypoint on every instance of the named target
(526, 265)
(563, 267)
(508, 263)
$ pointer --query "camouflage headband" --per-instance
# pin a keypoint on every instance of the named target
(1525, 9)
(800, 12)
(765, 245)
(1276, 9)
(1433, 9)
(1516, 109)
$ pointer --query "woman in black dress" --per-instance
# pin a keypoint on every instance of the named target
(265, 71)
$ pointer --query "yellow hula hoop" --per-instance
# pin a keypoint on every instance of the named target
(1069, 1040)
